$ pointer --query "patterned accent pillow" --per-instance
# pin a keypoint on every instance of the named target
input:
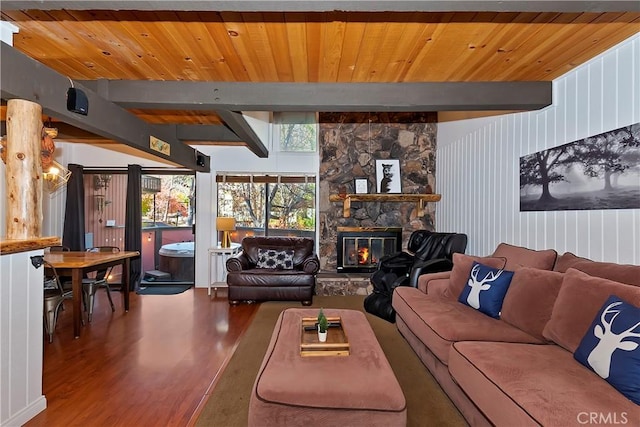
(486, 288)
(611, 346)
(271, 258)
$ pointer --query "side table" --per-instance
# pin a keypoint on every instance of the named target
(223, 253)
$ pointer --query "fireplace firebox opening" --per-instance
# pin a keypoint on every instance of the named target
(360, 248)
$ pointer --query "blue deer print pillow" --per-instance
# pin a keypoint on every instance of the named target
(611, 346)
(486, 288)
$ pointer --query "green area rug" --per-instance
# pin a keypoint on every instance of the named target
(228, 402)
(163, 289)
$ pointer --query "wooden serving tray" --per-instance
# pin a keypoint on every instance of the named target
(337, 343)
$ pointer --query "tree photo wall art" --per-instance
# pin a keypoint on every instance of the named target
(597, 172)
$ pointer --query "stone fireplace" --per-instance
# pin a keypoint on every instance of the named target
(360, 248)
(350, 143)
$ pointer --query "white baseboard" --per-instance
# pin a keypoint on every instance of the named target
(25, 414)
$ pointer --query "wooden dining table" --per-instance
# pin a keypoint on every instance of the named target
(77, 264)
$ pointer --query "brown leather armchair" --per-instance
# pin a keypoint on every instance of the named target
(273, 268)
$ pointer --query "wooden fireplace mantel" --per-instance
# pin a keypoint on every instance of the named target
(346, 199)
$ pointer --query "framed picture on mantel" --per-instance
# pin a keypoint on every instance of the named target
(361, 186)
(388, 178)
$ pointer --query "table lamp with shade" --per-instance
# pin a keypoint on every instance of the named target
(226, 225)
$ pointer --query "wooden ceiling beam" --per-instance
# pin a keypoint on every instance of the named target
(333, 5)
(240, 127)
(24, 78)
(329, 97)
(234, 121)
(214, 133)
(204, 133)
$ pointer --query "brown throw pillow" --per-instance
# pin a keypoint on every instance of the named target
(462, 267)
(623, 273)
(530, 298)
(566, 261)
(525, 257)
(580, 298)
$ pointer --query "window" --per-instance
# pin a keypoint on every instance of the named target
(167, 200)
(296, 132)
(287, 201)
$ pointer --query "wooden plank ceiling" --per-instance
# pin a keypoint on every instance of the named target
(312, 47)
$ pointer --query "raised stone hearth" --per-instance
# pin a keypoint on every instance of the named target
(330, 283)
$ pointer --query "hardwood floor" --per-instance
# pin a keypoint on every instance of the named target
(152, 366)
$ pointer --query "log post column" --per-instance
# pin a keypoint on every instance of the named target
(24, 170)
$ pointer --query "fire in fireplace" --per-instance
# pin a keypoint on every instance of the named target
(360, 248)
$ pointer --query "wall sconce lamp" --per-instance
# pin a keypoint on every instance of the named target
(53, 173)
(101, 202)
(49, 130)
(101, 181)
(226, 225)
(56, 175)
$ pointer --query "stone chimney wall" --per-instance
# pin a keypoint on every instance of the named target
(350, 143)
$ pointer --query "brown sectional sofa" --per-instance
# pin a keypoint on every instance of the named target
(519, 370)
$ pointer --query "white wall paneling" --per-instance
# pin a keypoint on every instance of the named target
(478, 165)
(206, 213)
(21, 339)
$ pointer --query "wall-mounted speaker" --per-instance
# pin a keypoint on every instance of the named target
(77, 101)
(200, 160)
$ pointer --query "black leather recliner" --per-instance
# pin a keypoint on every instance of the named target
(428, 252)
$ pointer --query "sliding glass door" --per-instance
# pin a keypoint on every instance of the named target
(168, 211)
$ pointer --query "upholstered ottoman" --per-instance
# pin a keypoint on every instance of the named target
(358, 389)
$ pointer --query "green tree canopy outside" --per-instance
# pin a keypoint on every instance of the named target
(289, 205)
(173, 205)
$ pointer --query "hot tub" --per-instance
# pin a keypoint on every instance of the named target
(177, 259)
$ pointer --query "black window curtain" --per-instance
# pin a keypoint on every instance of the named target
(73, 231)
(133, 223)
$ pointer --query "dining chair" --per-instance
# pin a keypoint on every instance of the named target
(54, 296)
(65, 280)
(91, 285)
